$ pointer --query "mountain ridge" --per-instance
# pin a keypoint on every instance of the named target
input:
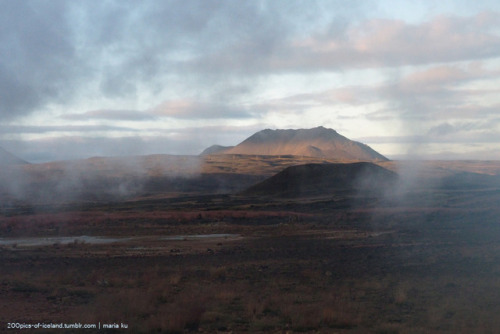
(317, 142)
(214, 149)
(7, 158)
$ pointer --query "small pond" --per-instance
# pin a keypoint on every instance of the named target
(200, 236)
(47, 241)
(98, 240)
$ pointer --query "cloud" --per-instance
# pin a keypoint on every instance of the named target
(434, 77)
(414, 94)
(187, 108)
(445, 129)
(33, 129)
(382, 115)
(52, 53)
(122, 115)
(485, 131)
(371, 43)
(441, 91)
(38, 60)
(443, 38)
(57, 52)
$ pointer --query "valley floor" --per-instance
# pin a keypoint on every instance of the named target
(217, 264)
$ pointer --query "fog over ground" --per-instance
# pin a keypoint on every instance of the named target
(93, 78)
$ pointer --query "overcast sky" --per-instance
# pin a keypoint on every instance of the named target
(417, 79)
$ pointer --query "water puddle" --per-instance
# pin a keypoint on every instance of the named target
(200, 236)
(96, 240)
(47, 241)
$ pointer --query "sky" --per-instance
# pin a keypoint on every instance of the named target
(412, 79)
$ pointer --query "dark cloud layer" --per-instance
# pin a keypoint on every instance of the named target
(54, 51)
(38, 60)
(51, 51)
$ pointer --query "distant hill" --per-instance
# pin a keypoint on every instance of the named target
(318, 142)
(324, 179)
(214, 149)
(7, 158)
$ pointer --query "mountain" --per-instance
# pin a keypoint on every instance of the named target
(7, 158)
(214, 149)
(324, 179)
(318, 142)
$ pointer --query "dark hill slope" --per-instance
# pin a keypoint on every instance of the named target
(317, 142)
(7, 158)
(324, 179)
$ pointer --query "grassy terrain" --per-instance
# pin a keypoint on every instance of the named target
(318, 265)
(423, 260)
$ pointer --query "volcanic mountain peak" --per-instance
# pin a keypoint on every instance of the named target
(316, 142)
(269, 135)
